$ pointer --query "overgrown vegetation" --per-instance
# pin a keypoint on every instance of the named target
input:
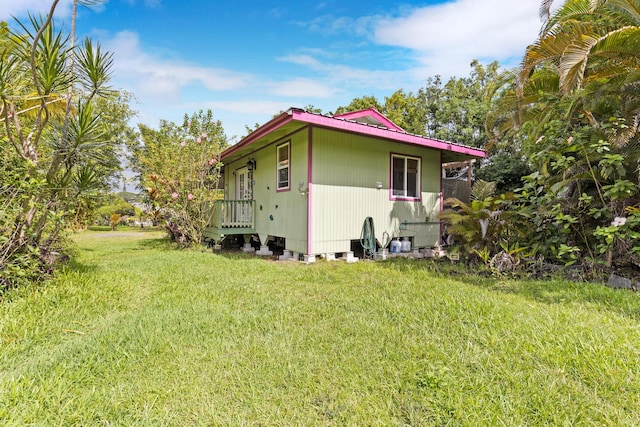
(134, 333)
(573, 110)
(179, 168)
(58, 155)
(561, 132)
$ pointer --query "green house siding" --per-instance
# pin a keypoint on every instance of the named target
(346, 172)
(277, 213)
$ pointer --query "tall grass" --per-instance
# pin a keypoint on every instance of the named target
(136, 333)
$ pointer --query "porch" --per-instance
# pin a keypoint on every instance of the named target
(230, 217)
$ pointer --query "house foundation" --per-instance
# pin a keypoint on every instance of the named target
(286, 256)
(264, 251)
(348, 257)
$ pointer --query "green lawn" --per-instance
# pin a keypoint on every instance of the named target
(136, 333)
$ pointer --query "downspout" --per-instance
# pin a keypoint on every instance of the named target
(440, 242)
(309, 189)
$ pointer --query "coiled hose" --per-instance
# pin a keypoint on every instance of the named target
(368, 238)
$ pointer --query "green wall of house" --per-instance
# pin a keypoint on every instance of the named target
(346, 169)
(277, 213)
(346, 173)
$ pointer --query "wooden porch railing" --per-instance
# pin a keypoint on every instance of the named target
(232, 214)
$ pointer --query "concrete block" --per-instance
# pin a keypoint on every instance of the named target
(264, 251)
(348, 257)
(381, 255)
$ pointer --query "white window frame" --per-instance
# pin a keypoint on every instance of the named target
(403, 193)
(282, 165)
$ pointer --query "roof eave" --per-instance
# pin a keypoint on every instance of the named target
(296, 114)
(262, 131)
(398, 136)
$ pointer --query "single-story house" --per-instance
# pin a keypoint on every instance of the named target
(309, 181)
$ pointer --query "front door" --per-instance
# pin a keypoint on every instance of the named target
(242, 184)
(244, 191)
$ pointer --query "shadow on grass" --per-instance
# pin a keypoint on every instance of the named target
(566, 292)
(547, 291)
(160, 243)
(78, 267)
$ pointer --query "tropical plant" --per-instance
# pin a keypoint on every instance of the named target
(51, 137)
(480, 226)
(179, 167)
(572, 110)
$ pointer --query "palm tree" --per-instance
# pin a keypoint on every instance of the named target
(592, 48)
(545, 9)
(587, 40)
(577, 93)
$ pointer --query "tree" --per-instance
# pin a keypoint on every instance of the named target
(362, 103)
(51, 139)
(179, 167)
(457, 111)
(576, 110)
(581, 39)
(405, 110)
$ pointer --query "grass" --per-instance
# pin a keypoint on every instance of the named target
(136, 333)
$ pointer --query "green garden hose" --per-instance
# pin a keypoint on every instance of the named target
(368, 238)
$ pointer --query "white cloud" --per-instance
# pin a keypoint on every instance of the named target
(302, 88)
(332, 25)
(306, 60)
(19, 8)
(336, 76)
(148, 75)
(449, 35)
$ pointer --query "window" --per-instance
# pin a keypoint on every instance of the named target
(405, 177)
(283, 155)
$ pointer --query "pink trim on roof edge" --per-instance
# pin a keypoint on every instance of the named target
(263, 130)
(370, 112)
(408, 138)
(340, 123)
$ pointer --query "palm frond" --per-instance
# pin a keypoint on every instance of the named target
(483, 190)
(627, 11)
(574, 62)
(571, 11)
(545, 9)
(95, 67)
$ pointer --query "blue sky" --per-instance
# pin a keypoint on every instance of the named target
(248, 60)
